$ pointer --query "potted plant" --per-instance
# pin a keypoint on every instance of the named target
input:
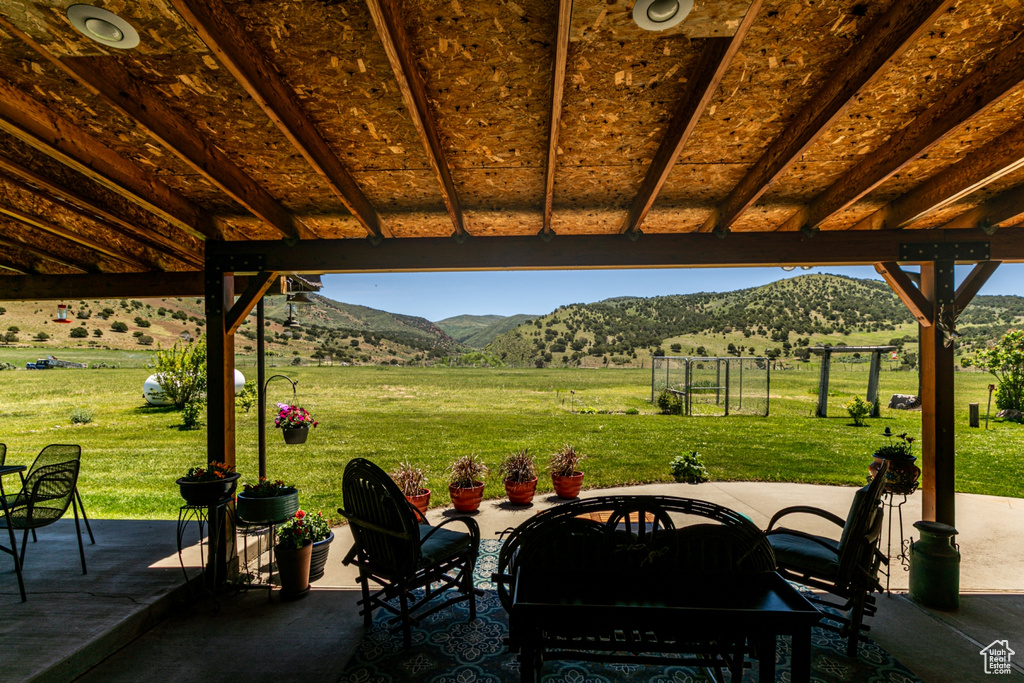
(208, 485)
(413, 485)
(565, 474)
(294, 422)
(520, 472)
(294, 551)
(902, 475)
(464, 485)
(322, 536)
(267, 502)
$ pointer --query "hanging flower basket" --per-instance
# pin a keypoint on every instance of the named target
(294, 423)
(295, 435)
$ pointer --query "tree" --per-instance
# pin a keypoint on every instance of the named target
(41, 336)
(78, 333)
(1005, 360)
(118, 326)
(10, 337)
(181, 371)
(248, 396)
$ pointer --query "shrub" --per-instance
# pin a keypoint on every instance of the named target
(670, 403)
(81, 416)
(78, 333)
(142, 322)
(858, 410)
(41, 336)
(118, 326)
(519, 467)
(632, 411)
(248, 396)
(181, 371)
(1005, 360)
(466, 470)
(145, 340)
(409, 479)
(689, 468)
(192, 413)
(97, 333)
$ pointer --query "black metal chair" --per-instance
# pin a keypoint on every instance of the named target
(46, 496)
(396, 551)
(846, 567)
(52, 455)
(3, 453)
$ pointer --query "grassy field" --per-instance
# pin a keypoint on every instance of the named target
(132, 453)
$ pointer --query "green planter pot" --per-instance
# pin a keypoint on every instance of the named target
(267, 510)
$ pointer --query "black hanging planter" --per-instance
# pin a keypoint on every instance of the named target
(295, 435)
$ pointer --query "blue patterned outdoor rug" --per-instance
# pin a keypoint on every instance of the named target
(447, 648)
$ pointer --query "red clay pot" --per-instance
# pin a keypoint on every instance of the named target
(467, 499)
(293, 570)
(567, 486)
(521, 493)
(422, 501)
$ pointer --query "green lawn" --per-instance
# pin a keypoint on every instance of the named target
(133, 453)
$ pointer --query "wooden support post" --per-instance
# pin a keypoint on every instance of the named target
(220, 410)
(937, 409)
(876, 363)
(261, 380)
(826, 361)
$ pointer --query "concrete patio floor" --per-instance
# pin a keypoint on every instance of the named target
(132, 617)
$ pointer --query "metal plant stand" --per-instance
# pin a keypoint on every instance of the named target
(202, 515)
(253, 570)
(889, 500)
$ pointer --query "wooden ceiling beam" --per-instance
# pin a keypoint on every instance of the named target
(46, 255)
(890, 36)
(989, 163)
(557, 92)
(110, 81)
(991, 81)
(714, 61)
(13, 267)
(388, 20)
(105, 286)
(601, 251)
(973, 283)
(909, 294)
(993, 211)
(89, 209)
(71, 236)
(224, 34)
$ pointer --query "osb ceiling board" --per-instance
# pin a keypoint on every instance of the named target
(849, 217)
(958, 43)
(497, 223)
(335, 226)
(761, 218)
(674, 219)
(488, 71)
(707, 183)
(401, 190)
(16, 232)
(419, 224)
(592, 186)
(500, 188)
(345, 83)
(801, 181)
(571, 221)
(787, 52)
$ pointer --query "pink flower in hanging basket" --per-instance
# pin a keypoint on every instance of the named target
(293, 417)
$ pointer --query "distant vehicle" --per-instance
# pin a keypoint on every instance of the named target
(50, 362)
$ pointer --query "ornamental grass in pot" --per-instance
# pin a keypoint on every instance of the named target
(208, 485)
(566, 476)
(267, 502)
(465, 485)
(413, 485)
(293, 551)
(519, 470)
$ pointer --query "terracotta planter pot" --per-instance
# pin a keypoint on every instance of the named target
(422, 501)
(295, 435)
(293, 568)
(521, 493)
(267, 510)
(208, 492)
(467, 499)
(901, 477)
(318, 558)
(567, 486)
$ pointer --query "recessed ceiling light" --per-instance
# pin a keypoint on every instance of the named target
(658, 15)
(102, 26)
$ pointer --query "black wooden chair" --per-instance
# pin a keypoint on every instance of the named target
(52, 455)
(47, 494)
(402, 555)
(846, 567)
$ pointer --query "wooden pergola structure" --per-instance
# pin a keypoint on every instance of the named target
(241, 141)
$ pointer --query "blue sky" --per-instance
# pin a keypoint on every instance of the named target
(436, 296)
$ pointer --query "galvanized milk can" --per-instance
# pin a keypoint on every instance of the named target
(935, 566)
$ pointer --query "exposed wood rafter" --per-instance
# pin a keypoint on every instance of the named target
(105, 286)
(991, 81)
(991, 212)
(107, 79)
(227, 39)
(557, 92)
(973, 283)
(75, 202)
(14, 268)
(714, 61)
(908, 293)
(991, 162)
(71, 236)
(388, 20)
(886, 40)
(47, 255)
